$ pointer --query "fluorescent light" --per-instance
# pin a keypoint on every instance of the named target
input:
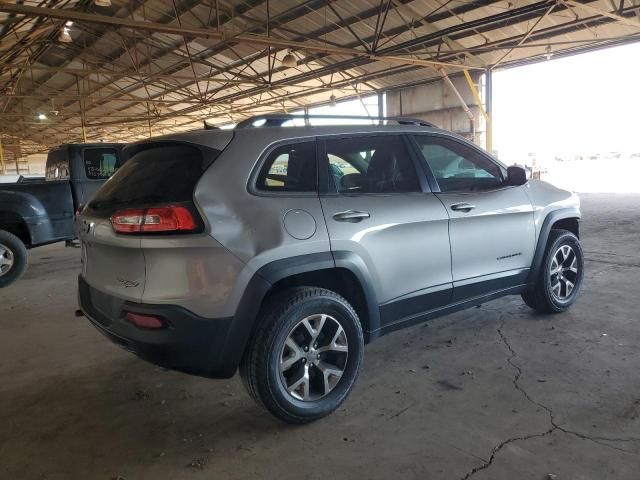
(42, 116)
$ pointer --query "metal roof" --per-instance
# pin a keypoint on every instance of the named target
(137, 67)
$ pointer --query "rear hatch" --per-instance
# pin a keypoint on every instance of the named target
(151, 196)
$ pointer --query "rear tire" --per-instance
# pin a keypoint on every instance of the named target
(305, 355)
(13, 258)
(560, 278)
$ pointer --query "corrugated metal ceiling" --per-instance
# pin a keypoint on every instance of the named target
(123, 81)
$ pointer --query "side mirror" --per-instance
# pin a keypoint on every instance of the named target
(517, 175)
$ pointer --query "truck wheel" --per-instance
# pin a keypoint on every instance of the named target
(560, 277)
(305, 355)
(13, 258)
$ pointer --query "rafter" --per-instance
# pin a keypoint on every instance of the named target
(256, 40)
(595, 10)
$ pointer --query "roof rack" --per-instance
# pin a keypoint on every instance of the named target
(277, 120)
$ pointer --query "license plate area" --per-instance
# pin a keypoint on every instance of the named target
(106, 307)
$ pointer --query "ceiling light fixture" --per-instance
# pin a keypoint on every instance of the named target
(102, 3)
(65, 36)
(289, 60)
(42, 116)
(548, 53)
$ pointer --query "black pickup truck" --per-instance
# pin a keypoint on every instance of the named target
(42, 212)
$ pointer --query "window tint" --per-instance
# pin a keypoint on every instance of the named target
(290, 168)
(100, 163)
(159, 174)
(457, 167)
(372, 164)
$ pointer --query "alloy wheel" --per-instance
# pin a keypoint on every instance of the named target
(564, 272)
(313, 357)
(6, 259)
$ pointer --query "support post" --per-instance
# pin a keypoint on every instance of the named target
(380, 104)
(84, 130)
(483, 110)
(2, 167)
(488, 95)
(306, 117)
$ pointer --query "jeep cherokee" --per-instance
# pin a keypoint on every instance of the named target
(281, 250)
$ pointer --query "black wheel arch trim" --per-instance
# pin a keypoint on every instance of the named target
(357, 266)
(551, 218)
(268, 275)
(281, 269)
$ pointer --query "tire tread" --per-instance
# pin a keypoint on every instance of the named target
(258, 385)
(20, 258)
(538, 298)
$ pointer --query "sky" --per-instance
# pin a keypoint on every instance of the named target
(587, 103)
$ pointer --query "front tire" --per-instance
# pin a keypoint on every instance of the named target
(13, 258)
(560, 278)
(305, 356)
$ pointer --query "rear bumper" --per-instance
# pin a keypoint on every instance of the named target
(192, 344)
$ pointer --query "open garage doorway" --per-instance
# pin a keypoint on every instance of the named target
(573, 119)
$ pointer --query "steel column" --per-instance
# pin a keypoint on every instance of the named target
(487, 118)
(488, 100)
(2, 168)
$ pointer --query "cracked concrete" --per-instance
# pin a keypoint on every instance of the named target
(493, 392)
(604, 441)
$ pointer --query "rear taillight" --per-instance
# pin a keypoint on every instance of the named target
(145, 321)
(173, 218)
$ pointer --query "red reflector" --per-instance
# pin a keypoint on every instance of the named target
(173, 218)
(145, 321)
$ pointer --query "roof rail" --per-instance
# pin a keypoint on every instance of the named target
(277, 120)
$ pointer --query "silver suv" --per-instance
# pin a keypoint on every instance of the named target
(280, 251)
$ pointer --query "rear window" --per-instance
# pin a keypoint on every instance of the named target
(57, 164)
(164, 173)
(100, 163)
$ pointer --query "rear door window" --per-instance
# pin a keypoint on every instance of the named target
(156, 175)
(289, 168)
(100, 163)
(371, 164)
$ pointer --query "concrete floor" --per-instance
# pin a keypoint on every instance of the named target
(494, 392)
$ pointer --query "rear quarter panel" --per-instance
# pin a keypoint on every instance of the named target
(251, 226)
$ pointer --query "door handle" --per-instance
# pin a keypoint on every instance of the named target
(350, 216)
(462, 207)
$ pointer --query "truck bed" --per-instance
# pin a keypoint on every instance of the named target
(47, 208)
